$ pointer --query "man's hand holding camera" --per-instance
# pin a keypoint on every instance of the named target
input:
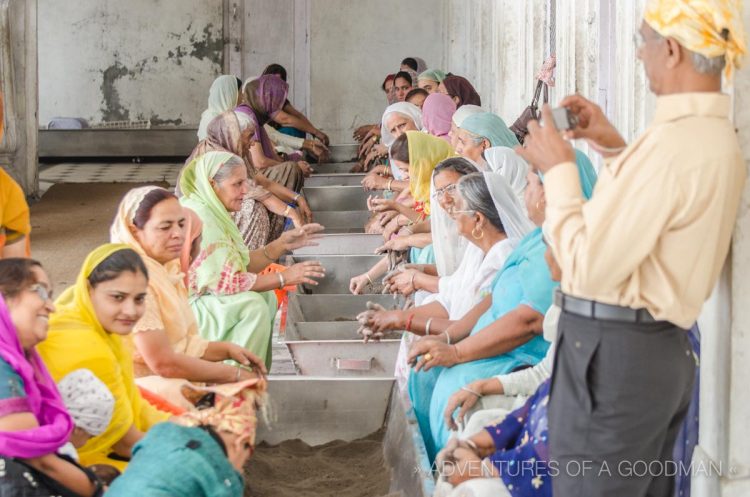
(546, 145)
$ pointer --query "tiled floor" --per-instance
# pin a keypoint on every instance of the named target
(126, 172)
(94, 172)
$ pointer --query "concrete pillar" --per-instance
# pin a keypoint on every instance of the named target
(18, 82)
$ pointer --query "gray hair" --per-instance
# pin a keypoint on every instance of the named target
(226, 169)
(477, 139)
(708, 65)
(711, 66)
(473, 189)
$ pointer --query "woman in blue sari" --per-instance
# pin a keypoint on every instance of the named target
(500, 334)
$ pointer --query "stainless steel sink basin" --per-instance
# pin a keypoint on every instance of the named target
(339, 271)
(343, 221)
(343, 153)
(343, 244)
(334, 180)
(333, 167)
(336, 198)
(333, 308)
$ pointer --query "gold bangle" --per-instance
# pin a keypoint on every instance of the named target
(388, 185)
(368, 277)
(282, 283)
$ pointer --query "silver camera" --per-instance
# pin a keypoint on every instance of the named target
(563, 119)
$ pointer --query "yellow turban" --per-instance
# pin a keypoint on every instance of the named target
(711, 28)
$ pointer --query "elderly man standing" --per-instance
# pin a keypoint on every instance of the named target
(641, 257)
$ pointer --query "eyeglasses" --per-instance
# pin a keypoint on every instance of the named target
(639, 40)
(440, 192)
(468, 212)
(41, 291)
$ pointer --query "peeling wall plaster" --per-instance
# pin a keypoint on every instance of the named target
(109, 60)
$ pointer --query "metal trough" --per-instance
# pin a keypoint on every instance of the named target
(343, 221)
(335, 349)
(343, 153)
(321, 410)
(336, 198)
(334, 180)
(342, 244)
(333, 167)
(340, 269)
(338, 308)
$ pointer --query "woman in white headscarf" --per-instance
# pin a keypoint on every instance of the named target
(496, 224)
(223, 96)
(458, 119)
(397, 119)
(507, 162)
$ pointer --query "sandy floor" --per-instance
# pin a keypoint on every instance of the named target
(336, 469)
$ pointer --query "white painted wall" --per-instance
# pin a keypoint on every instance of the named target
(109, 60)
(353, 45)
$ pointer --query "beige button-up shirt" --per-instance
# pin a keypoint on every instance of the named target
(657, 230)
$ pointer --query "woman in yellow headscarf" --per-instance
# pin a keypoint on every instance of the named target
(415, 154)
(15, 225)
(86, 332)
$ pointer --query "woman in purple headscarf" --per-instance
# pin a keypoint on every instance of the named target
(264, 98)
(34, 424)
(460, 90)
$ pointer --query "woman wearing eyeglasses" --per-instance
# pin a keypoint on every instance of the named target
(34, 424)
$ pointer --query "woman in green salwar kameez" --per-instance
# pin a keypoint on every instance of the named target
(230, 300)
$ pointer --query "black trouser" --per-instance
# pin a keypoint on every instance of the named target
(618, 397)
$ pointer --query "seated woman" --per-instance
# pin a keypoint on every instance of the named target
(458, 118)
(397, 119)
(225, 95)
(264, 98)
(168, 347)
(416, 154)
(366, 131)
(210, 445)
(498, 335)
(86, 332)
(492, 232)
(416, 64)
(402, 84)
(34, 424)
(290, 120)
(15, 224)
(268, 204)
(460, 90)
(437, 115)
(230, 301)
(430, 80)
(417, 96)
(481, 131)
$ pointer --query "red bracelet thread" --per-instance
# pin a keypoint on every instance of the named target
(408, 322)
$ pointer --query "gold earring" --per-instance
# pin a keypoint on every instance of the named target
(475, 236)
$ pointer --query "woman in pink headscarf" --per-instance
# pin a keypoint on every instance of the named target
(437, 112)
(34, 424)
(264, 98)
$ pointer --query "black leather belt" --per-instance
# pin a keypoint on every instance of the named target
(604, 312)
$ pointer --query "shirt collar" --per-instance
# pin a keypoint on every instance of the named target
(679, 105)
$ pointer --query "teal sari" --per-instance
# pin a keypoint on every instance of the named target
(524, 280)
